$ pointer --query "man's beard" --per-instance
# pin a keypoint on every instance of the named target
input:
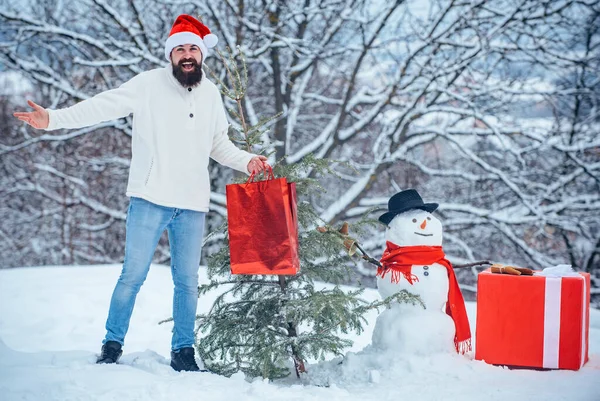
(187, 79)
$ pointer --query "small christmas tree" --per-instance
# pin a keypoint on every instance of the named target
(267, 326)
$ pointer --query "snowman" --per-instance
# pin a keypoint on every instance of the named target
(414, 261)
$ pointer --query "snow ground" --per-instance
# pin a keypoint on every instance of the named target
(52, 324)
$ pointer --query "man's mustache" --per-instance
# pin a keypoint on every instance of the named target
(189, 60)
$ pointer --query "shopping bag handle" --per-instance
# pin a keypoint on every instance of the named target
(268, 176)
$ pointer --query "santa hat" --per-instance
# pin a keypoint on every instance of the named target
(188, 30)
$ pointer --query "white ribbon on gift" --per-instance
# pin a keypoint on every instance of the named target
(552, 303)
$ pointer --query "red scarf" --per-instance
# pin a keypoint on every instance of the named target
(399, 261)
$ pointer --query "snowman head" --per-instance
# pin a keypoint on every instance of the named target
(414, 227)
(409, 220)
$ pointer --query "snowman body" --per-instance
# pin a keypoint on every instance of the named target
(407, 327)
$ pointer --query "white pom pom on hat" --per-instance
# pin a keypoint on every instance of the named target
(188, 30)
(211, 40)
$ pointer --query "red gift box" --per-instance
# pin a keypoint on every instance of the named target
(533, 321)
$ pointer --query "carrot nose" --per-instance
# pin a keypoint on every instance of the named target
(423, 224)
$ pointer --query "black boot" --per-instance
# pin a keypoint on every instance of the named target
(183, 359)
(111, 352)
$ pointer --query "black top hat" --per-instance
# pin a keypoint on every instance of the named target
(404, 201)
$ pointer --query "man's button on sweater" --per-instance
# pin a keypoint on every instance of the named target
(189, 89)
(191, 115)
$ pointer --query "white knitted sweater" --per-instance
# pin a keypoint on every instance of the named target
(175, 131)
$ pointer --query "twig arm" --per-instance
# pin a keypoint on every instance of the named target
(366, 257)
(485, 263)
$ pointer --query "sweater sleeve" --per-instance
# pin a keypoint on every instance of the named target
(223, 150)
(105, 106)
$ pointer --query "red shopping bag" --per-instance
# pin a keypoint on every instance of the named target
(263, 227)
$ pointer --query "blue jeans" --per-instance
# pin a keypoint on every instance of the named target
(146, 222)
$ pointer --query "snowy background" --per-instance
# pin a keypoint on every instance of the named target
(488, 107)
(52, 323)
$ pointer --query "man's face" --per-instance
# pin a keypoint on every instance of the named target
(187, 62)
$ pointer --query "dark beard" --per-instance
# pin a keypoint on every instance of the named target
(187, 79)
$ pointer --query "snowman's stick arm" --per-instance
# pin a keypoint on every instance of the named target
(366, 257)
(480, 263)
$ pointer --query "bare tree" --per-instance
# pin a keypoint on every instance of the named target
(488, 107)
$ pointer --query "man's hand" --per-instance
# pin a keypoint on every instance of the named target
(257, 164)
(37, 119)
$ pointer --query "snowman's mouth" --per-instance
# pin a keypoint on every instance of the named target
(424, 235)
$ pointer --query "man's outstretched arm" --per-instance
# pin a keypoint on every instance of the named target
(105, 106)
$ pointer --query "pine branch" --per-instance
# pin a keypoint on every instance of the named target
(402, 296)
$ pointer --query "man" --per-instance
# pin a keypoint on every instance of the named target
(178, 123)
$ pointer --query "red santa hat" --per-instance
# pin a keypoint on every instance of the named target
(188, 30)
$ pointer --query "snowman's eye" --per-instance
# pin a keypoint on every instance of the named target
(428, 218)
(414, 220)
